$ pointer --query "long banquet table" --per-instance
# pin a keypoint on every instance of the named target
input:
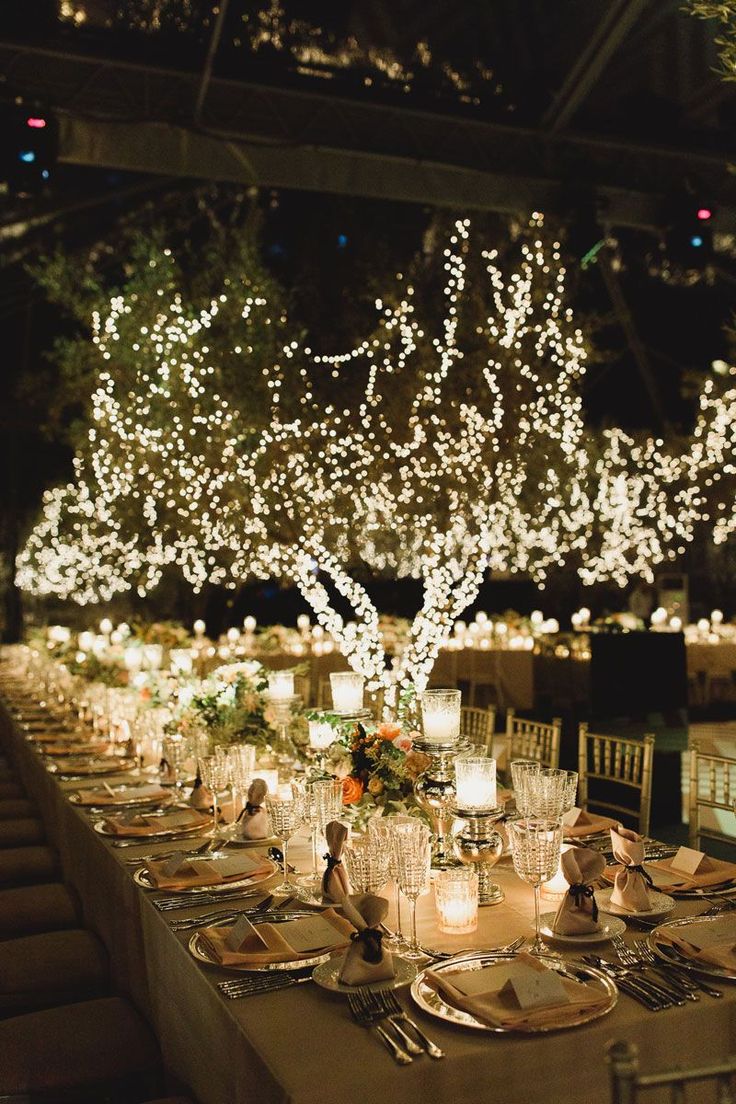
(300, 1045)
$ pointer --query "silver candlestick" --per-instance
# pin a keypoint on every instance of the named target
(476, 842)
(435, 793)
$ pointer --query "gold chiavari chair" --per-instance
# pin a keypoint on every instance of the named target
(478, 725)
(533, 739)
(619, 763)
(627, 1081)
(712, 786)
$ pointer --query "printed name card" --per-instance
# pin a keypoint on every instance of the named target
(241, 930)
(176, 863)
(571, 817)
(310, 934)
(687, 861)
(174, 820)
(536, 988)
(488, 980)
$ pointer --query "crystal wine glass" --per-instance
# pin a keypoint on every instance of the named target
(287, 816)
(367, 864)
(413, 863)
(523, 773)
(535, 847)
(212, 771)
(388, 829)
(322, 803)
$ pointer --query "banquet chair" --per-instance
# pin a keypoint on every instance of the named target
(533, 739)
(23, 832)
(627, 1081)
(27, 865)
(37, 908)
(712, 786)
(14, 808)
(49, 969)
(478, 725)
(617, 766)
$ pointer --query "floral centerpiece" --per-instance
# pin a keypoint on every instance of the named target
(230, 704)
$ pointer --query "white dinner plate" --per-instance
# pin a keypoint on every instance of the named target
(662, 905)
(609, 926)
(328, 976)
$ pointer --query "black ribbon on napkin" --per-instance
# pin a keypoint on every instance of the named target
(639, 869)
(332, 862)
(371, 938)
(249, 810)
(580, 890)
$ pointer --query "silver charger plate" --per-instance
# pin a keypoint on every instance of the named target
(609, 926)
(92, 769)
(668, 953)
(328, 976)
(142, 878)
(101, 828)
(430, 1001)
(662, 905)
(199, 950)
(162, 799)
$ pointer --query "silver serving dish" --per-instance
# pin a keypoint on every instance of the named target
(667, 953)
(431, 1002)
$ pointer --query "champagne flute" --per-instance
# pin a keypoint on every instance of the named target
(535, 847)
(413, 863)
(287, 816)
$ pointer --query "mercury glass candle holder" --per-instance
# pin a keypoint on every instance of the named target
(280, 685)
(434, 789)
(347, 692)
(440, 717)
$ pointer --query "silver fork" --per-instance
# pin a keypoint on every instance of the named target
(368, 1020)
(684, 976)
(386, 1000)
(671, 985)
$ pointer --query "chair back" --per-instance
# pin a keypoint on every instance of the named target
(712, 786)
(627, 1082)
(624, 763)
(478, 725)
(324, 693)
(533, 739)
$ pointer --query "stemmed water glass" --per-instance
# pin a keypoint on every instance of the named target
(413, 863)
(322, 803)
(535, 847)
(387, 831)
(367, 864)
(213, 772)
(287, 816)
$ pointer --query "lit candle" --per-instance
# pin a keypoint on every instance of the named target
(154, 654)
(199, 627)
(303, 623)
(105, 626)
(456, 901)
(133, 658)
(86, 641)
(58, 634)
(475, 778)
(703, 625)
(537, 618)
(321, 735)
(233, 635)
(281, 685)
(717, 617)
(556, 888)
(441, 716)
(675, 624)
(249, 623)
(659, 616)
(347, 691)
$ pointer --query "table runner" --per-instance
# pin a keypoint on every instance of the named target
(277, 1047)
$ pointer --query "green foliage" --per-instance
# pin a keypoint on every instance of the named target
(724, 11)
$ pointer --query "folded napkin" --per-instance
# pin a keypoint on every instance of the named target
(578, 912)
(253, 822)
(714, 945)
(712, 872)
(69, 747)
(93, 766)
(631, 884)
(196, 871)
(498, 1007)
(366, 959)
(143, 825)
(127, 796)
(274, 944)
(589, 823)
(335, 883)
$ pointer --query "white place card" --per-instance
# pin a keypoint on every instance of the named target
(241, 930)
(687, 861)
(488, 980)
(536, 988)
(173, 820)
(176, 863)
(310, 934)
(232, 866)
(571, 817)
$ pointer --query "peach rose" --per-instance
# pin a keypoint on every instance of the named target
(375, 787)
(402, 742)
(389, 730)
(352, 790)
(415, 763)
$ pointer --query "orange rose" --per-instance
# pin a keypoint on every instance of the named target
(389, 730)
(352, 790)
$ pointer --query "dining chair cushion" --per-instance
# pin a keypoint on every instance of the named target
(26, 910)
(41, 971)
(22, 832)
(27, 866)
(15, 808)
(94, 1041)
(11, 788)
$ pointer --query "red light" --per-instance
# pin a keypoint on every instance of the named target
(39, 124)
(704, 213)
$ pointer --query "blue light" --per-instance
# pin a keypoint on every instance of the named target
(342, 241)
(45, 174)
(696, 241)
(27, 155)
